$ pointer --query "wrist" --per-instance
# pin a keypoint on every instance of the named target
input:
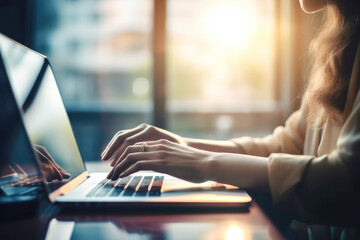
(211, 167)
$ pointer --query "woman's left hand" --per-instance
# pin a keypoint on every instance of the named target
(163, 156)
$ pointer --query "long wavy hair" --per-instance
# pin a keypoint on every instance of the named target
(332, 55)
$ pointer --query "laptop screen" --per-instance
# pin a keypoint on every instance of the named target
(44, 114)
(17, 163)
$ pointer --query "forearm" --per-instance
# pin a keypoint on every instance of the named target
(213, 145)
(249, 172)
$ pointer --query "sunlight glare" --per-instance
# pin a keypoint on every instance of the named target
(234, 232)
(231, 24)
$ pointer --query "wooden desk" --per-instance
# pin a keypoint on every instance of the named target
(252, 224)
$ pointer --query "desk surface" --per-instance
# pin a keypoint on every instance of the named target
(51, 224)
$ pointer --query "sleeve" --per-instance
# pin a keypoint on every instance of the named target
(322, 189)
(285, 139)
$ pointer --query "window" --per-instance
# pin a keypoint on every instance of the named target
(220, 62)
(220, 70)
(101, 51)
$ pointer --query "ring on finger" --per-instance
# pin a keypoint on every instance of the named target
(143, 149)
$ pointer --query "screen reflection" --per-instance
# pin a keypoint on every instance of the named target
(159, 227)
(44, 114)
(19, 173)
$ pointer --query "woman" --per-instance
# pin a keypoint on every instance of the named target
(311, 166)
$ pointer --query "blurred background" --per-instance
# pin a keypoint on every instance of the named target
(214, 69)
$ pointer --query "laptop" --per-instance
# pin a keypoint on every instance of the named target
(65, 176)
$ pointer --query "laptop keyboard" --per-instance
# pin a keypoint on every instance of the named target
(135, 186)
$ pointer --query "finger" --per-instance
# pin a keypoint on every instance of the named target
(120, 152)
(130, 160)
(139, 147)
(118, 140)
(163, 166)
(155, 150)
(165, 146)
(130, 149)
(127, 142)
(111, 142)
(116, 170)
(161, 143)
(146, 132)
(154, 165)
(159, 146)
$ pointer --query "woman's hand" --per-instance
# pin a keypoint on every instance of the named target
(142, 133)
(150, 148)
(163, 156)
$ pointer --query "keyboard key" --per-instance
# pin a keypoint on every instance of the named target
(128, 186)
(144, 186)
(132, 186)
(105, 189)
(119, 187)
(116, 192)
(158, 181)
(155, 192)
(123, 182)
(96, 188)
(156, 186)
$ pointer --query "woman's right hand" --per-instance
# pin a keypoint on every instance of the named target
(141, 133)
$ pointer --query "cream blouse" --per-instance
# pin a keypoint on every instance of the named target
(314, 173)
